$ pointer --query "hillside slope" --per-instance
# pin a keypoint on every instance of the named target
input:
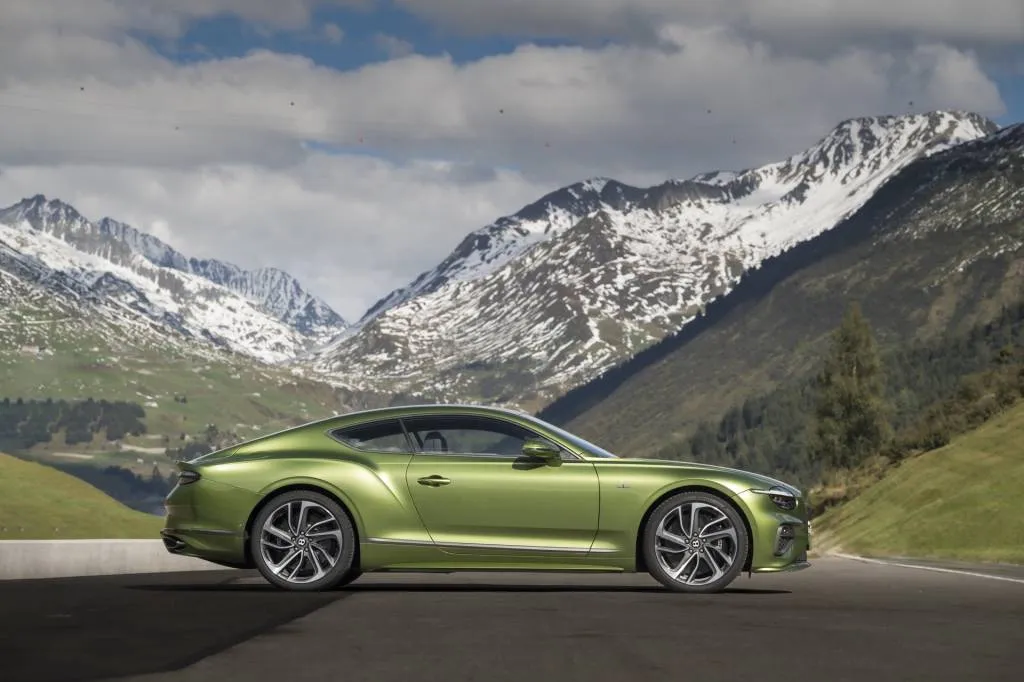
(38, 503)
(961, 501)
(60, 339)
(549, 298)
(937, 250)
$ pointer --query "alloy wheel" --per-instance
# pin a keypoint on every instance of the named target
(696, 543)
(301, 541)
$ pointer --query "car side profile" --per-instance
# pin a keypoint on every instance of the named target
(458, 487)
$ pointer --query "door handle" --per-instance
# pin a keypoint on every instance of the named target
(434, 481)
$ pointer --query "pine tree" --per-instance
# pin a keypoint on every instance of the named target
(850, 415)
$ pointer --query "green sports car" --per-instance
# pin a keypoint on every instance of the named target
(454, 487)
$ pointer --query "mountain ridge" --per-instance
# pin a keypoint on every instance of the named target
(659, 253)
(584, 197)
(938, 248)
(275, 317)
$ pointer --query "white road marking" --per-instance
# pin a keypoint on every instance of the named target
(929, 568)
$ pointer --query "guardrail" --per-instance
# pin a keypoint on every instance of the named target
(24, 559)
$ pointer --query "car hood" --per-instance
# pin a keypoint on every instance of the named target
(747, 478)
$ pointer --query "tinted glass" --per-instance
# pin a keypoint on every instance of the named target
(386, 436)
(468, 435)
(588, 447)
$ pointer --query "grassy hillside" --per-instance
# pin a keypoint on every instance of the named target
(960, 501)
(935, 252)
(235, 393)
(55, 346)
(38, 503)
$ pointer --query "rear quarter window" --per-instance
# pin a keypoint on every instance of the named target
(385, 436)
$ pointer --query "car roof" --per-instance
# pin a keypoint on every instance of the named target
(395, 411)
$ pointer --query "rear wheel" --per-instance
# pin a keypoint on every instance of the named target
(695, 542)
(304, 541)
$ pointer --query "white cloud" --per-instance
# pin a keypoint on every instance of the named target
(162, 17)
(393, 46)
(789, 21)
(557, 113)
(214, 152)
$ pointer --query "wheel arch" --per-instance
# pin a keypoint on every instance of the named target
(641, 562)
(293, 487)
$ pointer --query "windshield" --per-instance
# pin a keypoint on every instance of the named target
(586, 445)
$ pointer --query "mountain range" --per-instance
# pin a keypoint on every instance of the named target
(936, 254)
(542, 301)
(264, 313)
(523, 310)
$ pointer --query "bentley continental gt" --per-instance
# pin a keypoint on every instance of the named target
(471, 488)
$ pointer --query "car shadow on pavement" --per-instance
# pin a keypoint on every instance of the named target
(212, 587)
(420, 587)
(486, 587)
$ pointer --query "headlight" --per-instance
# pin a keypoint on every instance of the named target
(782, 498)
(186, 477)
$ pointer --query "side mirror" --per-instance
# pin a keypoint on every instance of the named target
(542, 449)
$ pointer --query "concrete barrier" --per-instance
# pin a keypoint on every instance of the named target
(21, 559)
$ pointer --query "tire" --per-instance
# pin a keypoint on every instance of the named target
(309, 554)
(724, 547)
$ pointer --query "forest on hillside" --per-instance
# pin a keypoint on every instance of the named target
(26, 423)
(927, 393)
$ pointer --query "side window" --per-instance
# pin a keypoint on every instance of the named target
(468, 435)
(384, 436)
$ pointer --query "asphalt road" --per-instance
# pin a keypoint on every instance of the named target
(840, 620)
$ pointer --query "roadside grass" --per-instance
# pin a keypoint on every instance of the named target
(961, 501)
(38, 502)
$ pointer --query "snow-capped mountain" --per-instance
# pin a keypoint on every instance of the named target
(550, 297)
(934, 254)
(486, 250)
(263, 313)
(274, 291)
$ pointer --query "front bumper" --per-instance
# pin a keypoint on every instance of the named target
(781, 537)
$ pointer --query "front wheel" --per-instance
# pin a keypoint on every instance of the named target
(695, 542)
(304, 541)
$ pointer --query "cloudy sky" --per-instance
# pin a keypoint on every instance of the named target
(354, 142)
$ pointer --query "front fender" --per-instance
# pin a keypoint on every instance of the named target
(730, 494)
(682, 484)
(626, 502)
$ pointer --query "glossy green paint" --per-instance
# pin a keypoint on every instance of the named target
(506, 501)
(580, 511)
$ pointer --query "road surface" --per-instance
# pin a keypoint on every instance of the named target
(840, 620)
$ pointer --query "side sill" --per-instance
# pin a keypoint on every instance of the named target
(797, 566)
(468, 545)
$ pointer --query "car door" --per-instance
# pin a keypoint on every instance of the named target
(476, 493)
